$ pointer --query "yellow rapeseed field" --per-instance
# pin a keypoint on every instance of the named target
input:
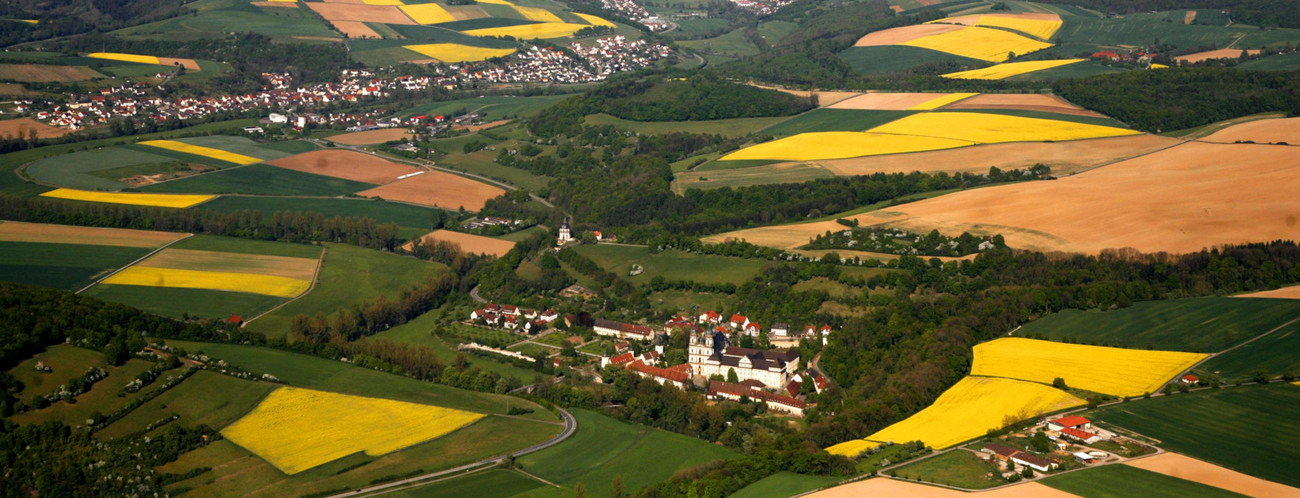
(199, 150)
(269, 285)
(594, 20)
(497, 2)
(531, 31)
(296, 429)
(455, 52)
(1040, 28)
(942, 101)
(995, 128)
(840, 144)
(536, 14)
(1008, 70)
(114, 56)
(381, 2)
(987, 44)
(427, 13)
(968, 410)
(160, 200)
(1113, 371)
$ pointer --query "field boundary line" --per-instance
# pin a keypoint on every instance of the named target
(133, 263)
(521, 471)
(320, 263)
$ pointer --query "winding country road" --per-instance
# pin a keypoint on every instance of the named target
(570, 426)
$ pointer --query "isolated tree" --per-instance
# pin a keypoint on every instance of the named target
(731, 376)
(579, 491)
(1058, 383)
(616, 488)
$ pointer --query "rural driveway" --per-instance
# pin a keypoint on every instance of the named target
(570, 426)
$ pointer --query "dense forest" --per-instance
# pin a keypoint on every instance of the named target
(1181, 98)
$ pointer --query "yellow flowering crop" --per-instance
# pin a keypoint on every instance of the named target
(134, 199)
(1040, 28)
(497, 2)
(941, 101)
(536, 14)
(1113, 371)
(987, 44)
(199, 150)
(1009, 69)
(296, 429)
(381, 2)
(1159, 66)
(968, 410)
(594, 20)
(455, 52)
(840, 144)
(427, 13)
(114, 56)
(530, 31)
(995, 128)
(269, 285)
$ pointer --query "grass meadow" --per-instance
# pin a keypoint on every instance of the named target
(672, 265)
(1120, 481)
(62, 266)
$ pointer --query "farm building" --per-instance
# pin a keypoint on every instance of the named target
(1034, 462)
(709, 354)
(1079, 435)
(998, 451)
(678, 375)
(1190, 379)
(623, 330)
(1071, 422)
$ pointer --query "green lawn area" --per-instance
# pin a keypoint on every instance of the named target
(101, 399)
(1276, 354)
(78, 169)
(604, 448)
(260, 179)
(534, 350)
(681, 301)
(1250, 429)
(707, 177)
(206, 398)
(835, 120)
(420, 332)
(497, 338)
(1201, 325)
(215, 18)
(483, 163)
(248, 246)
(405, 215)
(1122, 481)
(737, 127)
(959, 468)
(348, 275)
(895, 58)
(66, 362)
(178, 302)
(672, 265)
(61, 266)
(495, 482)
(785, 484)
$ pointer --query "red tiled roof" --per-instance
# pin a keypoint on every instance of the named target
(1071, 421)
(1076, 433)
(1001, 450)
(673, 375)
(794, 387)
(621, 359)
(1191, 378)
(718, 387)
(738, 318)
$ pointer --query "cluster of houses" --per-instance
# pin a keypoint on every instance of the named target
(1111, 55)
(547, 65)
(511, 317)
(483, 222)
(1065, 431)
(635, 12)
(741, 324)
(762, 7)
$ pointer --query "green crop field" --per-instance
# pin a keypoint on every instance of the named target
(405, 215)
(420, 332)
(695, 27)
(1276, 353)
(672, 265)
(1250, 429)
(1201, 325)
(77, 170)
(248, 246)
(179, 302)
(205, 398)
(1093, 120)
(61, 266)
(1122, 481)
(604, 448)
(215, 18)
(260, 179)
(241, 145)
(895, 58)
(959, 468)
(348, 275)
(66, 362)
(731, 44)
(289, 147)
(738, 127)
(1090, 34)
(495, 482)
(495, 107)
(707, 178)
(1281, 62)
(785, 484)
(176, 155)
(1077, 70)
(834, 120)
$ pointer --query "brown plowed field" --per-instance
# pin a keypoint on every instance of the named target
(21, 127)
(1223, 53)
(1270, 131)
(463, 12)
(888, 101)
(437, 189)
(346, 164)
(1177, 200)
(186, 63)
(888, 487)
(370, 137)
(387, 14)
(489, 124)
(1191, 469)
(1292, 292)
(1189, 17)
(14, 231)
(355, 29)
(1064, 157)
(1026, 101)
(824, 98)
(468, 242)
(894, 36)
(45, 73)
(257, 264)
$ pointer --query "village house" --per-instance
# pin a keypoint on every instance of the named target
(622, 330)
(780, 330)
(677, 376)
(1034, 462)
(709, 354)
(1081, 436)
(737, 321)
(710, 317)
(998, 451)
(774, 401)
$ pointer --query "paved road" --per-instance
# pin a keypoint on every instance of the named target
(474, 294)
(570, 426)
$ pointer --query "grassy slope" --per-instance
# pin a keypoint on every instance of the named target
(672, 265)
(405, 215)
(349, 275)
(247, 246)
(66, 363)
(834, 120)
(260, 179)
(1119, 481)
(726, 127)
(1250, 429)
(1205, 324)
(177, 302)
(889, 59)
(957, 468)
(62, 266)
(420, 332)
(205, 398)
(785, 484)
(496, 482)
(1277, 353)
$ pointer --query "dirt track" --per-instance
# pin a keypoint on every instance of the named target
(346, 164)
